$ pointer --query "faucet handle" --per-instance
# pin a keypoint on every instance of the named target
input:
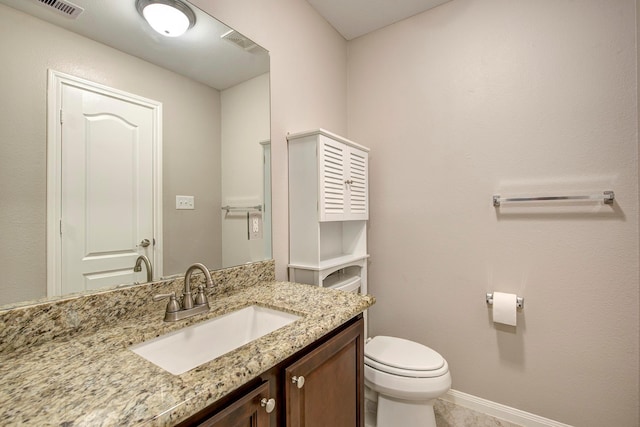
(172, 305)
(201, 297)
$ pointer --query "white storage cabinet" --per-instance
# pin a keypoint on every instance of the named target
(328, 210)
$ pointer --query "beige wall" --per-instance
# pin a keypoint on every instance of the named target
(456, 104)
(480, 97)
(191, 147)
(308, 83)
(245, 123)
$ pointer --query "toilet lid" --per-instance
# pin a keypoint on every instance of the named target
(403, 354)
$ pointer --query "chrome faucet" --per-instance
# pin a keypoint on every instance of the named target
(201, 298)
(190, 306)
(147, 265)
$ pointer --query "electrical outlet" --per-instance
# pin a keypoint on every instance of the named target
(185, 202)
(255, 225)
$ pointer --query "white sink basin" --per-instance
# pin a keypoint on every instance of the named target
(180, 351)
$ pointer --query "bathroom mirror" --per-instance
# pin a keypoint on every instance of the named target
(213, 87)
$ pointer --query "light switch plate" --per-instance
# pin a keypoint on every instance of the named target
(185, 202)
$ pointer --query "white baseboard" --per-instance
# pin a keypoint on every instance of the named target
(497, 410)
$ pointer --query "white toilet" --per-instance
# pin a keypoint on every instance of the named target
(407, 377)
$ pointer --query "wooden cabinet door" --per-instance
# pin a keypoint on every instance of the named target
(333, 390)
(244, 412)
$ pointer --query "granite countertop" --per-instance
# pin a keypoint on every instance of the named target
(93, 379)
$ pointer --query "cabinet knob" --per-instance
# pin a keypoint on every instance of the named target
(298, 381)
(268, 404)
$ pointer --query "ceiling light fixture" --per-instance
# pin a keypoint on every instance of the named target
(171, 18)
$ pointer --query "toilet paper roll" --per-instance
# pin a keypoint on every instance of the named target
(504, 308)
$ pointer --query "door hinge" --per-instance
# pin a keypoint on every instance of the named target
(61, 227)
(61, 116)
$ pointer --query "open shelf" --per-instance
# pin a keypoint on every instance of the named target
(347, 279)
(331, 262)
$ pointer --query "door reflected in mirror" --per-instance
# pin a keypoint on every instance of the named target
(213, 142)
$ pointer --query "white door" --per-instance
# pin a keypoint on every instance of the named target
(266, 197)
(106, 209)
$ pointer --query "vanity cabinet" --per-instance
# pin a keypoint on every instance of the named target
(324, 387)
(249, 410)
(328, 210)
(321, 385)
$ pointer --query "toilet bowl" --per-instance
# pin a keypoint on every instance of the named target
(407, 378)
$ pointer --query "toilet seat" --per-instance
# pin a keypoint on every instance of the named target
(404, 358)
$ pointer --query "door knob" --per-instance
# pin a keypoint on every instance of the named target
(298, 381)
(145, 243)
(268, 405)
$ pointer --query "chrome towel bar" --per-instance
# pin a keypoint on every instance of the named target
(242, 208)
(606, 196)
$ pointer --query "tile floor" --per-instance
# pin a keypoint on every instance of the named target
(447, 415)
(451, 415)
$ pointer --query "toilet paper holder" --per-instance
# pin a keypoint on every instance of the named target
(519, 300)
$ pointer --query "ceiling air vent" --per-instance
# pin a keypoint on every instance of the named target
(63, 7)
(239, 40)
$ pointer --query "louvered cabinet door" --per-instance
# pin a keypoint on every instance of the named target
(343, 182)
(357, 196)
(332, 180)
